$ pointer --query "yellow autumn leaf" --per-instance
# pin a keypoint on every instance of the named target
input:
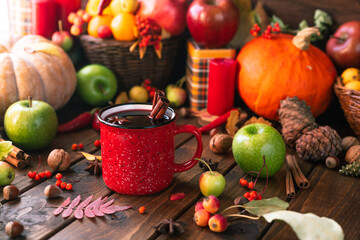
(90, 157)
(44, 47)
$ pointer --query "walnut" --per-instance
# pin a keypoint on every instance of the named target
(348, 142)
(353, 154)
(221, 143)
(59, 160)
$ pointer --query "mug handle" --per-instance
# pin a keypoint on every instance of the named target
(192, 162)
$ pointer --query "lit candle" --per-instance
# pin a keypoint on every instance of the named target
(43, 17)
(221, 85)
(64, 8)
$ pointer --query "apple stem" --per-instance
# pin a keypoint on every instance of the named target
(30, 101)
(60, 25)
(181, 81)
(101, 88)
(201, 160)
(338, 38)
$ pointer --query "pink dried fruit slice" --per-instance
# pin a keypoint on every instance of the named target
(61, 207)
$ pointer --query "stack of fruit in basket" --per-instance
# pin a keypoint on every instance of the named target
(130, 20)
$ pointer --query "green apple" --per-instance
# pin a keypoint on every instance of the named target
(30, 124)
(96, 84)
(7, 174)
(254, 141)
(176, 95)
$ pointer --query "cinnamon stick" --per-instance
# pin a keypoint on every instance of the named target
(290, 189)
(160, 108)
(18, 153)
(157, 95)
(300, 179)
(20, 164)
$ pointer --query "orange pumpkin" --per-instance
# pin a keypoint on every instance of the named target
(273, 69)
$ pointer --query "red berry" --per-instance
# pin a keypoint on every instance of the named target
(250, 199)
(63, 185)
(31, 174)
(58, 176)
(253, 194)
(148, 88)
(48, 174)
(69, 186)
(97, 143)
(74, 147)
(81, 146)
(147, 82)
(58, 183)
(243, 182)
(246, 195)
(268, 27)
(37, 177)
(259, 197)
(250, 185)
(41, 174)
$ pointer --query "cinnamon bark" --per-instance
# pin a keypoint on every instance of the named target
(157, 95)
(160, 108)
(20, 164)
(300, 179)
(290, 189)
(19, 154)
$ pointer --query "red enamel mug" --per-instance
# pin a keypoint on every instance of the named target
(140, 160)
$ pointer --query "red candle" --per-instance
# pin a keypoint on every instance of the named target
(221, 86)
(64, 8)
(43, 17)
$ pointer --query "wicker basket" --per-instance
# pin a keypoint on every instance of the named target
(129, 69)
(350, 103)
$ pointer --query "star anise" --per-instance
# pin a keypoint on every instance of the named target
(168, 226)
(94, 167)
(212, 165)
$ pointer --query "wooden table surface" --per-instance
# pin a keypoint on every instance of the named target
(331, 195)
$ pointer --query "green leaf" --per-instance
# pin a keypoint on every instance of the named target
(284, 27)
(261, 207)
(308, 226)
(322, 19)
(5, 148)
(303, 24)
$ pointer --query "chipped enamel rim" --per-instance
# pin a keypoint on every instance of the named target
(109, 110)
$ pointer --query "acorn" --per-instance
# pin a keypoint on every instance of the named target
(14, 229)
(10, 192)
(332, 162)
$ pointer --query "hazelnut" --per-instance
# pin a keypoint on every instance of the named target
(332, 162)
(14, 229)
(353, 154)
(221, 143)
(348, 142)
(213, 132)
(185, 112)
(59, 160)
(52, 191)
(10, 192)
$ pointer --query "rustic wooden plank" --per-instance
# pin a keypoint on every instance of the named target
(242, 229)
(292, 12)
(334, 196)
(158, 206)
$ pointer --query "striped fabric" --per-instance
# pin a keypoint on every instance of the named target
(197, 72)
(20, 17)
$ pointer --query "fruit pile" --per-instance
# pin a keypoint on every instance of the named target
(350, 78)
(203, 210)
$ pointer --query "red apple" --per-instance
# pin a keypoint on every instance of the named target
(344, 47)
(169, 14)
(63, 39)
(104, 31)
(212, 23)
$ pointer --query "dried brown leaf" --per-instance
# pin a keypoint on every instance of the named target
(231, 124)
(257, 120)
(91, 157)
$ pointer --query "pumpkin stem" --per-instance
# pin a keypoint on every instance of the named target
(30, 101)
(302, 38)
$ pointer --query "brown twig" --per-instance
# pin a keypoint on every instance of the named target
(300, 179)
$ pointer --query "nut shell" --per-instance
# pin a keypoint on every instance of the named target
(52, 191)
(221, 143)
(10, 192)
(332, 162)
(14, 229)
(353, 154)
(59, 160)
(348, 142)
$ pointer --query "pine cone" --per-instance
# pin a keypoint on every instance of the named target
(318, 144)
(296, 119)
(352, 169)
